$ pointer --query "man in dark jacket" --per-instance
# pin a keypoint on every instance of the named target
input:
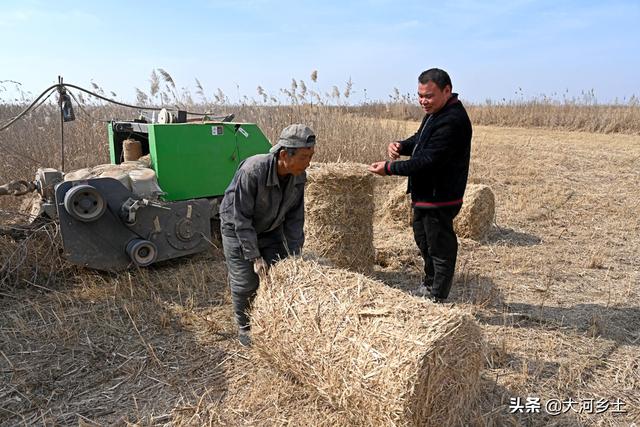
(262, 216)
(437, 171)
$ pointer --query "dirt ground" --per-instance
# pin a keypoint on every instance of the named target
(555, 286)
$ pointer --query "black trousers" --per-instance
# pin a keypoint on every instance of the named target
(434, 235)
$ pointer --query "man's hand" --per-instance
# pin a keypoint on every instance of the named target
(260, 266)
(393, 150)
(378, 168)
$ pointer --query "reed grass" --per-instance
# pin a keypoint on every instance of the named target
(345, 131)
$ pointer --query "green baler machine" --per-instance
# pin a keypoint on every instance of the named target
(107, 224)
(191, 160)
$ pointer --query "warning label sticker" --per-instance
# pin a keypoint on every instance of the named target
(244, 132)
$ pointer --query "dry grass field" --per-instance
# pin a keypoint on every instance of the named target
(556, 284)
(555, 287)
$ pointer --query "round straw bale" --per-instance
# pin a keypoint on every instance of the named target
(132, 149)
(476, 215)
(339, 214)
(135, 175)
(376, 353)
(75, 175)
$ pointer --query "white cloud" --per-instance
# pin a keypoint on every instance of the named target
(46, 16)
(17, 17)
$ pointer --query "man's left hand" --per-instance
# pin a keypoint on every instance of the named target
(260, 266)
(378, 168)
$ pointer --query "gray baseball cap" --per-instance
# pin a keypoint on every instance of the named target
(295, 136)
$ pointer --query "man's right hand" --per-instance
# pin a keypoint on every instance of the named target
(393, 150)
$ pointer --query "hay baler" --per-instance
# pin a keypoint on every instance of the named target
(108, 223)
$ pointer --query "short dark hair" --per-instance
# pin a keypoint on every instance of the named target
(437, 76)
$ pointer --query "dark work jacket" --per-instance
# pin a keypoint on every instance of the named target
(439, 163)
(257, 203)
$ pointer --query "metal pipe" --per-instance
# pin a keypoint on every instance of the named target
(61, 124)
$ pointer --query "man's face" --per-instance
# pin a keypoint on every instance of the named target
(299, 162)
(432, 98)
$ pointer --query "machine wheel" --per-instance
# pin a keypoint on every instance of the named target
(142, 252)
(84, 203)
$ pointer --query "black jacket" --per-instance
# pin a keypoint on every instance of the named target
(439, 163)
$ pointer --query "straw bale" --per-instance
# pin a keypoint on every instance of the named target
(339, 214)
(370, 351)
(132, 149)
(107, 169)
(477, 213)
(472, 222)
(136, 175)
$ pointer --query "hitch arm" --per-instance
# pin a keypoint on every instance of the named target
(17, 188)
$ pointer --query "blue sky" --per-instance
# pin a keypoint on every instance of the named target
(492, 49)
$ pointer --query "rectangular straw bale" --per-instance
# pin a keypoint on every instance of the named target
(376, 353)
(339, 215)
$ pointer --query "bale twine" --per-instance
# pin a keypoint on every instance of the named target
(132, 149)
(374, 352)
(339, 214)
(477, 213)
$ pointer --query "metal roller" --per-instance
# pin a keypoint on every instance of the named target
(84, 203)
(142, 252)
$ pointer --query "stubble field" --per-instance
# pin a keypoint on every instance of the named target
(555, 287)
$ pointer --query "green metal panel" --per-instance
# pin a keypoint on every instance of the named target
(199, 160)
